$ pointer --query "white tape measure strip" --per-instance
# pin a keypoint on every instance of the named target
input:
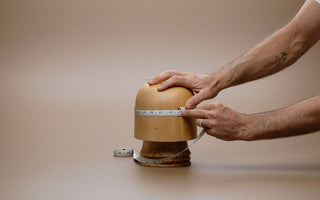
(127, 152)
(159, 113)
(123, 152)
(139, 158)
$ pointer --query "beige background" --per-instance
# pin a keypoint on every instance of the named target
(69, 73)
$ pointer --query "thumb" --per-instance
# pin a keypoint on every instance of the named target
(195, 100)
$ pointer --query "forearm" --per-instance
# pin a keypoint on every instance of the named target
(276, 52)
(300, 118)
(272, 55)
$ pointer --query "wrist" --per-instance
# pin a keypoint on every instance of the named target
(266, 125)
(218, 81)
(254, 127)
(250, 130)
(223, 78)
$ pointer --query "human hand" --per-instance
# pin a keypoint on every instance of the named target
(204, 86)
(221, 122)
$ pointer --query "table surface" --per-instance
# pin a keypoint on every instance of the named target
(121, 178)
(55, 154)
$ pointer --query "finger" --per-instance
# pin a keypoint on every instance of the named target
(210, 106)
(201, 122)
(175, 81)
(163, 76)
(195, 100)
(196, 113)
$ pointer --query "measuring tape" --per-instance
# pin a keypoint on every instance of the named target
(139, 158)
(160, 113)
(127, 152)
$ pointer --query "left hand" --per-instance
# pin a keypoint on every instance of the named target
(221, 122)
(204, 86)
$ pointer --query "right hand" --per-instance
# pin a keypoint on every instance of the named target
(204, 86)
(224, 123)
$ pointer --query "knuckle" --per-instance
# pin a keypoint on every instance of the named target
(213, 123)
(212, 105)
(210, 132)
(190, 76)
(218, 105)
(213, 114)
(170, 81)
(170, 72)
(173, 78)
(162, 73)
(216, 134)
(176, 79)
(166, 83)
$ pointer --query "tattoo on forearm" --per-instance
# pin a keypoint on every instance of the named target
(281, 59)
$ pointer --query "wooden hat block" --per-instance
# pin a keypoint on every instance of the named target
(164, 136)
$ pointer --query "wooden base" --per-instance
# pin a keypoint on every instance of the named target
(164, 150)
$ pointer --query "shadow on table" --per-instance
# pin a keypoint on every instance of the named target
(261, 167)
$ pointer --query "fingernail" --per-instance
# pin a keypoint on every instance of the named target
(183, 113)
(188, 105)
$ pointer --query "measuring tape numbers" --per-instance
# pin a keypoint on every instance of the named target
(160, 113)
